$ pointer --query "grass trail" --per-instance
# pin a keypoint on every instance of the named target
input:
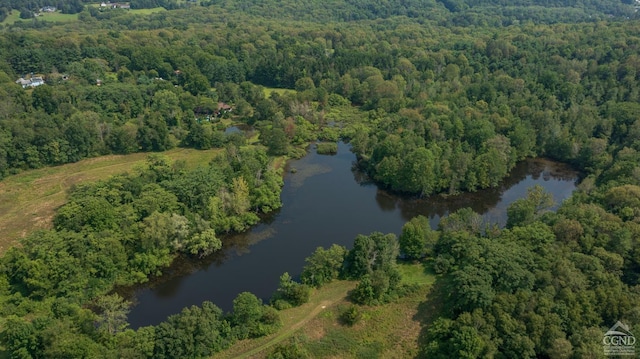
(292, 320)
(289, 331)
(395, 327)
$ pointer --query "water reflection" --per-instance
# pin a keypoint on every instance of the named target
(386, 202)
(326, 201)
(492, 202)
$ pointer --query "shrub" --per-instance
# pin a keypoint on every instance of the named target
(288, 351)
(327, 148)
(323, 266)
(364, 292)
(290, 293)
(350, 315)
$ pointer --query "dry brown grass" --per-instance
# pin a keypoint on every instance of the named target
(28, 200)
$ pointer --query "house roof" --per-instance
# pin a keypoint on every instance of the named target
(32, 82)
(223, 106)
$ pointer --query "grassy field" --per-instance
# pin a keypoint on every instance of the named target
(147, 11)
(48, 16)
(387, 331)
(294, 319)
(28, 200)
(60, 17)
(269, 90)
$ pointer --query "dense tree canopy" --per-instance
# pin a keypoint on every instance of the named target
(433, 96)
(571, 281)
(121, 231)
(444, 110)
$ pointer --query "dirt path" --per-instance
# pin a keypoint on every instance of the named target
(289, 331)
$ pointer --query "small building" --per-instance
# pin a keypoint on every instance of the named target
(48, 9)
(24, 83)
(37, 81)
(222, 109)
(115, 5)
(34, 81)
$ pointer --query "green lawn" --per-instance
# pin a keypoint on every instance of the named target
(48, 16)
(269, 90)
(417, 273)
(147, 11)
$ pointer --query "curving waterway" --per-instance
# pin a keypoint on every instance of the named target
(325, 201)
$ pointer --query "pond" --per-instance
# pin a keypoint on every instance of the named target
(239, 128)
(325, 201)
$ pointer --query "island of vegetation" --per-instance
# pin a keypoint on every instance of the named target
(434, 97)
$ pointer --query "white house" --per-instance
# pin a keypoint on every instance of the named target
(32, 82)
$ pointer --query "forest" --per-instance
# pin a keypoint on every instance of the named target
(434, 97)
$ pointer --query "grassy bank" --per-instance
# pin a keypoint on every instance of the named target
(28, 200)
(386, 331)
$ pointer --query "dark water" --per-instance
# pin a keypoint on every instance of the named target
(324, 202)
(232, 129)
(238, 128)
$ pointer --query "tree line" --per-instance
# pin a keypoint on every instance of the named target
(464, 108)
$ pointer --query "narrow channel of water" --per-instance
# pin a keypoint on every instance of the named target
(325, 201)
